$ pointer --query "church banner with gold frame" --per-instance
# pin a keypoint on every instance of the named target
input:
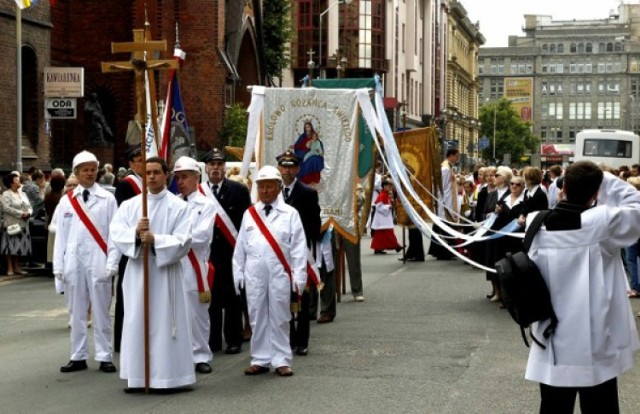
(329, 157)
(417, 147)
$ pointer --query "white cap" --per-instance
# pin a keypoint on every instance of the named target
(185, 163)
(82, 157)
(269, 172)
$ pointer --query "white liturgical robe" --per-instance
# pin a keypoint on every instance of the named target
(171, 360)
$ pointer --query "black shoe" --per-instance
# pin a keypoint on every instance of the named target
(73, 366)
(232, 350)
(379, 252)
(398, 249)
(107, 367)
(203, 368)
(132, 390)
(302, 351)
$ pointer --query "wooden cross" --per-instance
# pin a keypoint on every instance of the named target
(141, 65)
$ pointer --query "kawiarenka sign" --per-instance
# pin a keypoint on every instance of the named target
(61, 82)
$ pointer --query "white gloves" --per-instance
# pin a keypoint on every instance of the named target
(300, 286)
(239, 285)
(111, 272)
(60, 277)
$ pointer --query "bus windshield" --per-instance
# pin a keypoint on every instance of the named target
(594, 147)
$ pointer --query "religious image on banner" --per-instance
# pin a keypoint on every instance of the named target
(417, 147)
(320, 126)
(310, 149)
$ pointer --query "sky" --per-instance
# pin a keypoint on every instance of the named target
(500, 19)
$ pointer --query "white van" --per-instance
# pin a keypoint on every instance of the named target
(612, 147)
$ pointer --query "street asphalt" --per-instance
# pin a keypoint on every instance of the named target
(426, 340)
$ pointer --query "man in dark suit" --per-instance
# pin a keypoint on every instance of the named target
(232, 199)
(304, 199)
(128, 187)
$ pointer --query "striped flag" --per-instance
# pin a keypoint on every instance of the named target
(175, 141)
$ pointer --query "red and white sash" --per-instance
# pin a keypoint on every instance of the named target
(272, 241)
(312, 270)
(84, 216)
(203, 285)
(222, 220)
(135, 182)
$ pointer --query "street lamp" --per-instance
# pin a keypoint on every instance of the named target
(495, 111)
(331, 6)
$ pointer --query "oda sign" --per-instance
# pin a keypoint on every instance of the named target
(60, 108)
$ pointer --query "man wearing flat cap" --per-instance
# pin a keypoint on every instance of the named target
(304, 199)
(232, 199)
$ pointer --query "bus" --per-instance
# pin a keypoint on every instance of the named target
(611, 147)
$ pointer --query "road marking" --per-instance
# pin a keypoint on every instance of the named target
(402, 269)
(50, 313)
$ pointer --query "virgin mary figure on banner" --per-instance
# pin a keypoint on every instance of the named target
(311, 151)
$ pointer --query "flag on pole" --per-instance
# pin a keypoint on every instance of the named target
(23, 4)
(175, 141)
(150, 136)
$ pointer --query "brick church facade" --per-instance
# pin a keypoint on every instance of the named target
(223, 56)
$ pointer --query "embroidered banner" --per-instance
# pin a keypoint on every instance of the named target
(417, 149)
(320, 124)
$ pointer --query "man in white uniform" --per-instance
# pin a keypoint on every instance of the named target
(80, 259)
(167, 233)
(578, 253)
(196, 266)
(269, 261)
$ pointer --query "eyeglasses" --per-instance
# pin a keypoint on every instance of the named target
(498, 175)
(516, 184)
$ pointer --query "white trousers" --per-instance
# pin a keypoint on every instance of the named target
(200, 328)
(84, 292)
(269, 304)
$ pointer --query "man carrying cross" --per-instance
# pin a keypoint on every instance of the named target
(167, 233)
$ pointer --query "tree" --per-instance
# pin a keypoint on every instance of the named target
(234, 127)
(277, 34)
(512, 135)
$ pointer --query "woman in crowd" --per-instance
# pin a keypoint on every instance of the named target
(16, 211)
(535, 198)
(509, 211)
(384, 237)
(502, 178)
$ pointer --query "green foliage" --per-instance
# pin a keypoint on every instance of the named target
(234, 128)
(512, 135)
(276, 34)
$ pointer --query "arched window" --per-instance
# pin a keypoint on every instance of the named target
(609, 47)
(618, 47)
(560, 48)
(601, 47)
(552, 48)
(545, 48)
(572, 48)
(589, 48)
(580, 47)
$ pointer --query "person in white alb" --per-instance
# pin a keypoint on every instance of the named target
(80, 260)
(166, 230)
(269, 261)
(196, 267)
(578, 253)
